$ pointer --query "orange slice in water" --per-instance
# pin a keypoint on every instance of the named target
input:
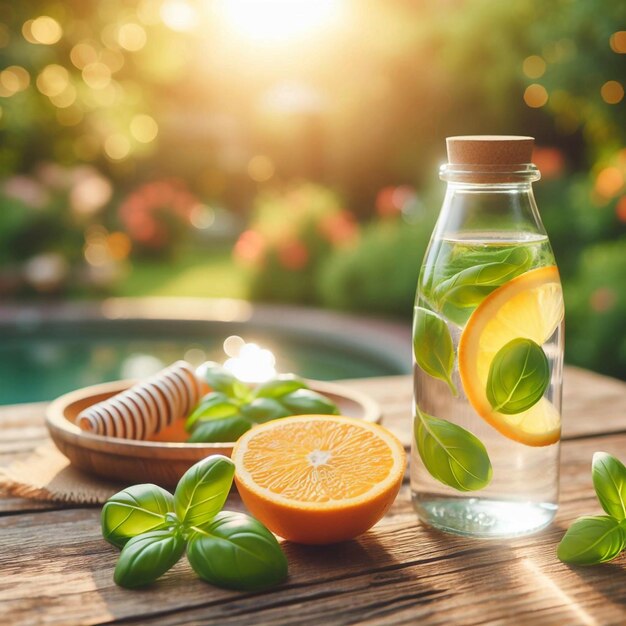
(318, 479)
(529, 306)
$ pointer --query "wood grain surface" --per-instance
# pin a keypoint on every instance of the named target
(56, 569)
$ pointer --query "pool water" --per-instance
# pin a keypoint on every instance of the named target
(52, 358)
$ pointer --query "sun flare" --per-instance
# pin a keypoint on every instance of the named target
(277, 21)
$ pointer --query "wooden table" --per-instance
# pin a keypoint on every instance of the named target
(56, 569)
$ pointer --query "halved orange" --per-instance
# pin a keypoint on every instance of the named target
(529, 306)
(318, 479)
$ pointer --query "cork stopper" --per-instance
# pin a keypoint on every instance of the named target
(489, 150)
(489, 158)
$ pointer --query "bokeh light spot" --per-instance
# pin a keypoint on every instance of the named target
(535, 96)
(52, 80)
(195, 356)
(202, 217)
(90, 193)
(44, 30)
(260, 168)
(534, 66)
(149, 11)
(233, 345)
(253, 364)
(178, 15)
(144, 128)
(117, 147)
(82, 54)
(612, 92)
(131, 37)
(13, 79)
(617, 41)
(66, 98)
(97, 75)
(113, 59)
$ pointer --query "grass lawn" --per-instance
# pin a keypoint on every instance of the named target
(192, 273)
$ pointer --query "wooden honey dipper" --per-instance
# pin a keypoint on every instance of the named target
(147, 407)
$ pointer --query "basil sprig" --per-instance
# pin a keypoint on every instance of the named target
(232, 407)
(519, 375)
(590, 540)
(153, 528)
(451, 454)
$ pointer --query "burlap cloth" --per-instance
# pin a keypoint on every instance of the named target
(46, 474)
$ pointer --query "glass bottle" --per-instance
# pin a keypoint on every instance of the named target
(488, 350)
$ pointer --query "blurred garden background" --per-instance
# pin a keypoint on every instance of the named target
(287, 150)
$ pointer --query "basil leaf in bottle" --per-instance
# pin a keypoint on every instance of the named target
(235, 551)
(220, 379)
(148, 556)
(203, 489)
(214, 405)
(457, 296)
(518, 376)
(609, 481)
(264, 409)
(591, 540)
(219, 430)
(432, 346)
(451, 454)
(280, 386)
(307, 402)
(133, 511)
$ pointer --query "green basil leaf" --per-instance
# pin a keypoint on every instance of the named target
(432, 346)
(451, 454)
(264, 409)
(609, 480)
(224, 429)
(135, 510)
(237, 552)
(591, 540)
(214, 405)
(280, 386)
(203, 489)
(220, 379)
(518, 376)
(307, 402)
(148, 556)
(474, 277)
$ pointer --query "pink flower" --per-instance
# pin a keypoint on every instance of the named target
(293, 254)
(250, 248)
(340, 229)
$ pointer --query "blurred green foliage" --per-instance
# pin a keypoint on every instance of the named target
(128, 127)
(379, 276)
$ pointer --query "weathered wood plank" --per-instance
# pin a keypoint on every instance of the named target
(57, 563)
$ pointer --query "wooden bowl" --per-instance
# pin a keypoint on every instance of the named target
(156, 461)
